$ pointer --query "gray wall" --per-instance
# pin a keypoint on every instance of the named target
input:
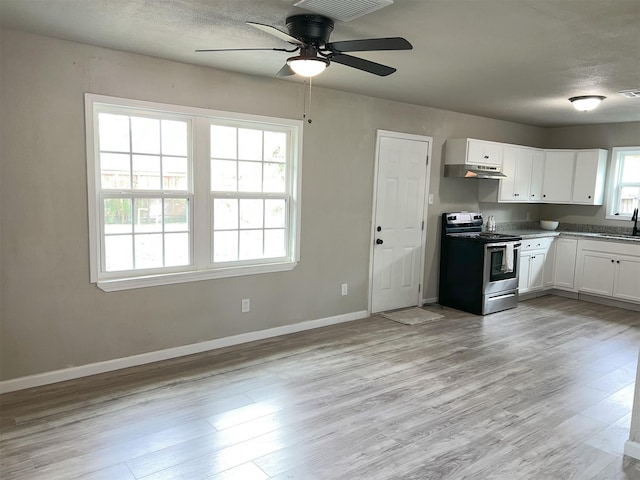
(51, 317)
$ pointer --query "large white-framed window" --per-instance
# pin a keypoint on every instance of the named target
(179, 194)
(624, 182)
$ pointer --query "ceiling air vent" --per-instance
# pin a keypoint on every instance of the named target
(342, 10)
(634, 93)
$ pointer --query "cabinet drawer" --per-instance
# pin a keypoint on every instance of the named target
(541, 243)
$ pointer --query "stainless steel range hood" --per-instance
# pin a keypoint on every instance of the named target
(473, 171)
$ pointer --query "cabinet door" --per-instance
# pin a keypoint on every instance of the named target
(627, 279)
(549, 265)
(588, 185)
(598, 270)
(537, 172)
(507, 185)
(523, 274)
(516, 165)
(480, 152)
(536, 271)
(524, 163)
(557, 181)
(565, 264)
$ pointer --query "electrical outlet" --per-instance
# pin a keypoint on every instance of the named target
(345, 289)
(246, 305)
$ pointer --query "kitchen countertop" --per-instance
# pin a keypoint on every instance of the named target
(532, 233)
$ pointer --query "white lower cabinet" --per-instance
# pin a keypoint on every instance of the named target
(533, 256)
(609, 269)
(564, 271)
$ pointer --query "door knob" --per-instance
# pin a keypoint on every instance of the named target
(379, 241)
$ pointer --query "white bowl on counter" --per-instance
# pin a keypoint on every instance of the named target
(548, 224)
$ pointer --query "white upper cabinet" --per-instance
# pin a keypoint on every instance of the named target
(470, 151)
(557, 181)
(589, 178)
(481, 152)
(524, 168)
(537, 175)
(516, 165)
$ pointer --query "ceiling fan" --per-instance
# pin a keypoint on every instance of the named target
(309, 34)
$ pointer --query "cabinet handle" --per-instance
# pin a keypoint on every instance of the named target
(589, 196)
(612, 261)
(486, 156)
(544, 196)
(617, 261)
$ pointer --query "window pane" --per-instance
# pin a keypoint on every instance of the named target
(250, 244)
(225, 214)
(148, 215)
(631, 169)
(274, 243)
(174, 138)
(115, 171)
(251, 213)
(224, 176)
(629, 197)
(274, 177)
(118, 253)
(275, 147)
(225, 246)
(274, 213)
(176, 249)
(146, 172)
(174, 173)
(148, 250)
(176, 215)
(223, 142)
(117, 215)
(145, 135)
(249, 144)
(113, 132)
(249, 177)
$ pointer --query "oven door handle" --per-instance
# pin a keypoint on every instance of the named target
(491, 246)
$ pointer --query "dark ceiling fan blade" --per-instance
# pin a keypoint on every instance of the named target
(371, 44)
(276, 33)
(285, 71)
(245, 49)
(362, 64)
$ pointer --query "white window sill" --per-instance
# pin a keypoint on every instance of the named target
(117, 284)
(620, 218)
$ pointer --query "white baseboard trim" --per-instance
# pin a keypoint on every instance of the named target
(429, 301)
(632, 449)
(175, 352)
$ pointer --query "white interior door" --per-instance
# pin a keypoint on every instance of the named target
(398, 240)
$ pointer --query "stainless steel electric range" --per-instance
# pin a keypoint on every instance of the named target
(478, 270)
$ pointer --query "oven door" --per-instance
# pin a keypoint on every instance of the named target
(501, 266)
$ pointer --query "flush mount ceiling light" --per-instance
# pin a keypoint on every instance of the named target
(585, 103)
(307, 66)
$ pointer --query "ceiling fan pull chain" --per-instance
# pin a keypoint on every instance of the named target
(306, 114)
(310, 82)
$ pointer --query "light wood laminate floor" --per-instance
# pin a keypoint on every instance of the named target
(543, 391)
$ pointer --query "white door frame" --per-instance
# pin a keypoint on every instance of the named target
(405, 136)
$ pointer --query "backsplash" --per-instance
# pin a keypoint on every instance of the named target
(566, 227)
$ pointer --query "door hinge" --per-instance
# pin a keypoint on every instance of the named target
(419, 288)
(422, 224)
(427, 159)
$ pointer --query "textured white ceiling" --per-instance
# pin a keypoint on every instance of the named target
(517, 60)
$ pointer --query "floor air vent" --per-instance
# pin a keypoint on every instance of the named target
(342, 10)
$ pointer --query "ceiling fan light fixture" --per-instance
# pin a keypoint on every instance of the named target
(307, 66)
(585, 103)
